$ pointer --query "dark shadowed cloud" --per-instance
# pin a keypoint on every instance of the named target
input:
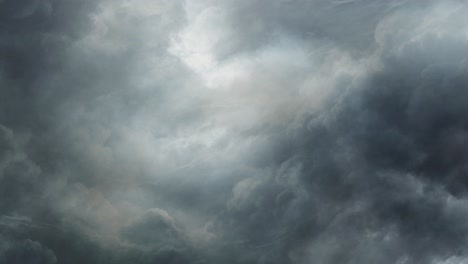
(204, 131)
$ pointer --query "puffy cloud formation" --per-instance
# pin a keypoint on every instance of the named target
(202, 131)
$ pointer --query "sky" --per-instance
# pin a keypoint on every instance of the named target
(233, 131)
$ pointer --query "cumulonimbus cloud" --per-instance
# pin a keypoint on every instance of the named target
(233, 131)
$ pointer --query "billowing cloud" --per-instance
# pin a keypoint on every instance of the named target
(138, 131)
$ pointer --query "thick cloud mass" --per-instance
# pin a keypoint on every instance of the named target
(250, 131)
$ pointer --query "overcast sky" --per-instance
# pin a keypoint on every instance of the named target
(233, 131)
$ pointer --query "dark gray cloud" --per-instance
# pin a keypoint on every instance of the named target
(28, 251)
(233, 131)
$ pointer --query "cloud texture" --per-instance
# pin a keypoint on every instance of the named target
(250, 131)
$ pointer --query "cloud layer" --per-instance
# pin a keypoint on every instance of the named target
(200, 131)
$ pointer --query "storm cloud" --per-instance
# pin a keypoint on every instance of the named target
(250, 131)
